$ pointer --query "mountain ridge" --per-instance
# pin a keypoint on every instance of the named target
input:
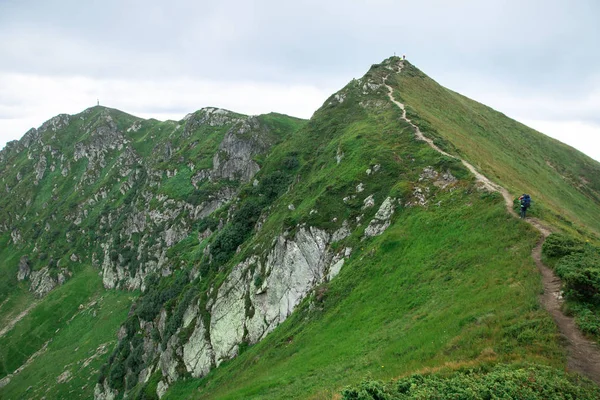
(256, 236)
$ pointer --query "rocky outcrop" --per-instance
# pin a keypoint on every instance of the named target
(55, 123)
(198, 355)
(210, 116)
(242, 312)
(103, 392)
(44, 280)
(235, 158)
(32, 136)
(441, 180)
(24, 268)
(381, 221)
(40, 169)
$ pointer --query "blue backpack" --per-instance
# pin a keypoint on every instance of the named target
(526, 201)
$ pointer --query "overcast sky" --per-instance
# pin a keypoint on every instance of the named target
(536, 61)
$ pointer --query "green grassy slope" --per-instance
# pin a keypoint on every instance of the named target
(564, 183)
(77, 322)
(43, 214)
(448, 285)
(452, 284)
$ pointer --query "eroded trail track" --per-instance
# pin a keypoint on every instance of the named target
(583, 354)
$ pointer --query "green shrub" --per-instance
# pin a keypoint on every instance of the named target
(558, 245)
(580, 273)
(501, 382)
(367, 390)
(258, 280)
(587, 318)
(291, 162)
(116, 375)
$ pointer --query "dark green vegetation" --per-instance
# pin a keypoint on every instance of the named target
(578, 265)
(449, 286)
(504, 382)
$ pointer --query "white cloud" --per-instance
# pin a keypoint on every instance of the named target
(571, 118)
(46, 96)
(29, 100)
(583, 136)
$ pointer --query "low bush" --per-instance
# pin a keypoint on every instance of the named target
(558, 245)
(578, 266)
(500, 382)
(580, 273)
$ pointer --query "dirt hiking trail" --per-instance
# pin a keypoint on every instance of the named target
(583, 355)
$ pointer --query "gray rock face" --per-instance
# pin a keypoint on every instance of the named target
(55, 123)
(103, 139)
(441, 180)
(294, 267)
(161, 389)
(210, 116)
(228, 315)
(341, 233)
(242, 312)
(15, 235)
(169, 360)
(24, 268)
(381, 221)
(32, 136)
(420, 195)
(40, 169)
(41, 282)
(104, 392)
(338, 262)
(234, 160)
(198, 355)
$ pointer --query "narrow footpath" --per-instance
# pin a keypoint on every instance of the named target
(583, 355)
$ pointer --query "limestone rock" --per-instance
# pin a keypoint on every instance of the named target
(198, 355)
(66, 376)
(341, 233)
(169, 360)
(381, 221)
(161, 389)
(368, 202)
(24, 268)
(442, 180)
(419, 197)
(41, 282)
(15, 236)
(335, 269)
(103, 392)
(295, 267)
(228, 315)
(234, 160)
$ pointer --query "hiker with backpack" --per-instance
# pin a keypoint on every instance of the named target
(525, 201)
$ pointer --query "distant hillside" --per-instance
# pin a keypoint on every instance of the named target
(229, 256)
